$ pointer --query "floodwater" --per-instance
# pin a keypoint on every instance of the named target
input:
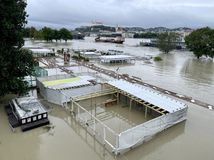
(190, 140)
(179, 71)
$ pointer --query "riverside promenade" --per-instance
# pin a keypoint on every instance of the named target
(132, 79)
(139, 81)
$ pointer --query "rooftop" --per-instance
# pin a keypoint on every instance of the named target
(68, 82)
(88, 53)
(117, 57)
(27, 107)
(149, 95)
(41, 50)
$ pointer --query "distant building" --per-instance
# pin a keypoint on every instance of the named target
(128, 34)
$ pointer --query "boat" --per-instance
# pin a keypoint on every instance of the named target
(179, 45)
(110, 37)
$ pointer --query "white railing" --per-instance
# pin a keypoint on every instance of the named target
(101, 131)
(119, 143)
(143, 132)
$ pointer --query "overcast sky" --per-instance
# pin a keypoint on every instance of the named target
(143, 13)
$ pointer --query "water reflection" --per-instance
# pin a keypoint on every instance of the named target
(155, 144)
(200, 71)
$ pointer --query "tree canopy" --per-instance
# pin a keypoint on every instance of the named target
(48, 33)
(166, 41)
(65, 34)
(201, 42)
(15, 63)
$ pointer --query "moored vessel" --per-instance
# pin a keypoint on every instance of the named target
(110, 37)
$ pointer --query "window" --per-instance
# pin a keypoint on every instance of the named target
(44, 115)
(23, 121)
(39, 116)
(34, 118)
(29, 120)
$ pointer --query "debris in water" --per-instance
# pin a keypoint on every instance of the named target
(49, 127)
(180, 95)
(210, 107)
(167, 92)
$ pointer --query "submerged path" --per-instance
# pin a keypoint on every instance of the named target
(138, 80)
(50, 62)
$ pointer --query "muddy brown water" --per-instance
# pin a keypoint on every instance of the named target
(189, 140)
(179, 72)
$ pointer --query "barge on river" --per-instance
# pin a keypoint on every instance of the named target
(110, 37)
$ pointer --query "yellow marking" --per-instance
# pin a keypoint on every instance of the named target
(60, 81)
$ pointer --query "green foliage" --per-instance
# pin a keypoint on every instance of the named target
(201, 42)
(56, 35)
(15, 63)
(32, 33)
(167, 41)
(47, 34)
(158, 58)
(65, 34)
(12, 22)
(146, 35)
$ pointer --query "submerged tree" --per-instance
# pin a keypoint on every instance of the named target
(201, 42)
(48, 34)
(15, 63)
(65, 34)
(56, 35)
(166, 42)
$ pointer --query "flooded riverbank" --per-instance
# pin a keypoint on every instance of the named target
(191, 140)
(179, 71)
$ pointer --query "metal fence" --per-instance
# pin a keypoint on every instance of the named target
(122, 142)
(143, 132)
(101, 131)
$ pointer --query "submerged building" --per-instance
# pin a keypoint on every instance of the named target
(26, 112)
(77, 93)
(42, 52)
(61, 88)
(166, 110)
(117, 59)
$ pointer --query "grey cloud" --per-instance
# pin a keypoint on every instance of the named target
(145, 13)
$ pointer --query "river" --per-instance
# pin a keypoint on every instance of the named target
(179, 71)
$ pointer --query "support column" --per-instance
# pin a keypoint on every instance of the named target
(72, 106)
(146, 111)
(118, 98)
(130, 104)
